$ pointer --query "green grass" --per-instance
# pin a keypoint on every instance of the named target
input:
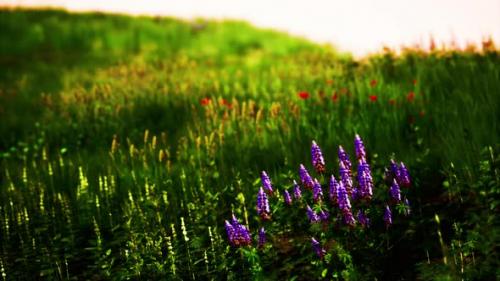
(105, 145)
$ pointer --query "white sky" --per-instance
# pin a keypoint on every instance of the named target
(358, 26)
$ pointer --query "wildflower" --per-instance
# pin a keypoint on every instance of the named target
(359, 148)
(263, 205)
(395, 192)
(305, 178)
(403, 176)
(414, 82)
(373, 83)
(205, 101)
(317, 158)
(329, 82)
(287, 197)
(262, 237)
(324, 216)
(317, 191)
(335, 97)
(373, 98)
(320, 252)
(345, 205)
(238, 234)
(304, 95)
(334, 185)
(365, 180)
(410, 96)
(344, 158)
(345, 178)
(296, 191)
(266, 183)
(387, 216)
(311, 215)
(392, 101)
(421, 113)
(363, 219)
(226, 103)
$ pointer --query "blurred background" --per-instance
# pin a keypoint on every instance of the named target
(358, 26)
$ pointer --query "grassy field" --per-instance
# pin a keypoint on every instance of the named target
(126, 142)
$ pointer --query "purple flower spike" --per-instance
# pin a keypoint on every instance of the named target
(344, 158)
(296, 191)
(343, 198)
(287, 197)
(395, 192)
(387, 216)
(345, 177)
(320, 252)
(360, 148)
(305, 178)
(363, 219)
(313, 217)
(317, 191)
(349, 218)
(263, 205)
(230, 232)
(266, 182)
(334, 186)
(317, 158)
(262, 237)
(324, 216)
(404, 176)
(365, 180)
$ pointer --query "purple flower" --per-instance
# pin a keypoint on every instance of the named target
(262, 237)
(266, 182)
(365, 180)
(343, 198)
(296, 191)
(344, 158)
(349, 218)
(237, 233)
(317, 158)
(320, 252)
(287, 197)
(313, 217)
(324, 216)
(334, 185)
(387, 216)
(359, 148)
(395, 192)
(305, 178)
(363, 219)
(317, 191)
(345, 177)
(263, 205)
(404, 176)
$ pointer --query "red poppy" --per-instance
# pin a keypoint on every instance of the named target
(335, 97)
(414, 81)
(205, 101)
(392, 101)
(373, 83)
(304, 95)
(329, 82)
(410, 96)
(373, 98)
(226, 103)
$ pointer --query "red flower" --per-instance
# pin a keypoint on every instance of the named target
(410, 96)
(304, 95)
(373, 83)
(392, 101)
(335, 97)
(414, 82)
(344, 91)
(373, 98)
(205, 101)
(225, 103)
(329, 82)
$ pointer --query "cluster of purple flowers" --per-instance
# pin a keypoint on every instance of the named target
(342, 191)
(237, 233)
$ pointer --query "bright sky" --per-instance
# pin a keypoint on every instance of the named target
(358, 26)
